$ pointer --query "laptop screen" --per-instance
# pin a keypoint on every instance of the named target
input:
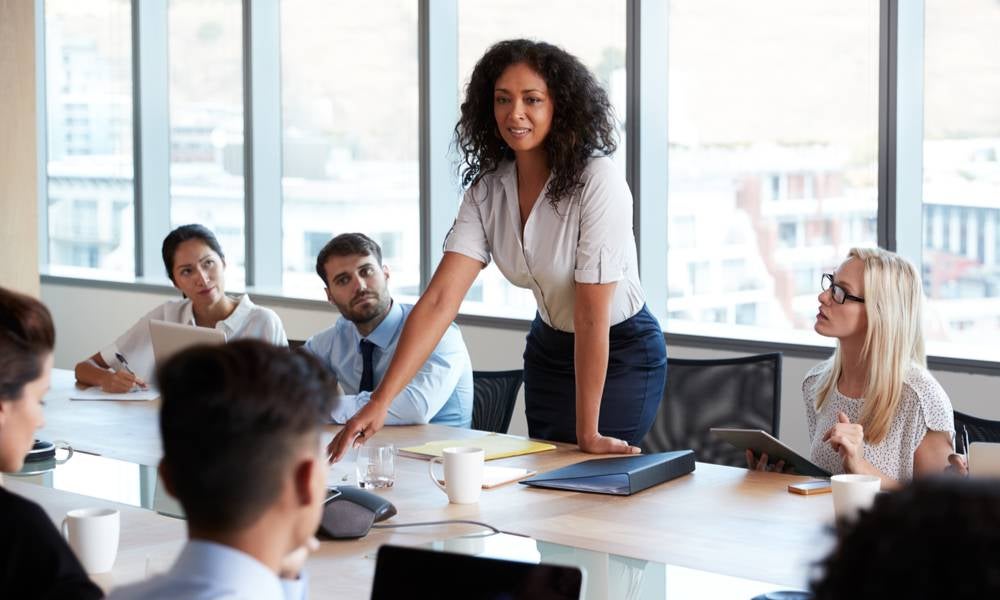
(418, 573)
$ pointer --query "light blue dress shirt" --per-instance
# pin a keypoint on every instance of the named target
(208, 570)
(440, 392)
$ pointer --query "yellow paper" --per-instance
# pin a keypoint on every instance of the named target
(494, 446)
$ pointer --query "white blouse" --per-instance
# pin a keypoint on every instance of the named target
(924, 406)
(586, 238)
(247, 321)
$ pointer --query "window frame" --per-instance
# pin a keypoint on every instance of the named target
(900, 161)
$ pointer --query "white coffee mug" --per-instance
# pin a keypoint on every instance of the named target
(463, 473)
(92, 533)
(853, 493)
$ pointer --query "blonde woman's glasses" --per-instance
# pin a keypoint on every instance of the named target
(839, 294)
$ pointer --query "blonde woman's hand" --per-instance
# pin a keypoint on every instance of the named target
(760, 464)
(848, 440)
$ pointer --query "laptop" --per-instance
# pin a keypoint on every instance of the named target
(984, 459)
(420, 573)
(170, 338)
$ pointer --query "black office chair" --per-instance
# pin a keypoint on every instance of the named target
(740, 392)
(293, 344)
(980, 430)
(495, 393)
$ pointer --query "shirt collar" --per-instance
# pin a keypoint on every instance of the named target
(243, 307)
(387, 329)
(228, 568)
(231, 323)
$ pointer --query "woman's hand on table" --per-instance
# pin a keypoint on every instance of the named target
(596, 443)
(363, 425)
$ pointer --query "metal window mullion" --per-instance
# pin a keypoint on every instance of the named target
(262, 154)
(151, 133)
(438, 84)
(648, 143)
(42, 141)
(901, 127)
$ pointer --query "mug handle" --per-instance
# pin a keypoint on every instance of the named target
(430, 471)
(65, 528)
(65, 446)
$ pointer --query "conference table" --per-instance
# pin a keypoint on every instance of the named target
(720, 520)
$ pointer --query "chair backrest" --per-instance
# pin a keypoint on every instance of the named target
(293, 344)
(494, 395)
(742, 392)
(980, 430)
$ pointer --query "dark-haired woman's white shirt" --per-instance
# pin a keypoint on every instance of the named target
(586, 238)
(247, 321)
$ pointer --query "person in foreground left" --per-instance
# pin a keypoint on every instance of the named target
(240, 425)
(35, 561)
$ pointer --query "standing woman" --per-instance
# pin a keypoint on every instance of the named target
(547, 204)
(35, 561)
(197, 267)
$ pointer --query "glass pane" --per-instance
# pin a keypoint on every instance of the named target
(206, 123)
(593, 31)
(89, 114)
(773, 129)
(961, 213)
(350, 122)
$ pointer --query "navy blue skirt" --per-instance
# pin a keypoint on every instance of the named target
(637, 372)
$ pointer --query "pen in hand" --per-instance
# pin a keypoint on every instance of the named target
(124, 363)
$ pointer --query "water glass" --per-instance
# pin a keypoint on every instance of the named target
(376, 466)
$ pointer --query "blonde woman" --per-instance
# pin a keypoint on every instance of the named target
(873, 407)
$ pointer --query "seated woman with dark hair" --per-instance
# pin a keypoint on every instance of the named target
(197, 267)
(35, 561)
(937, 538)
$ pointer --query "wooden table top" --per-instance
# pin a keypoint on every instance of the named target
(720, 519)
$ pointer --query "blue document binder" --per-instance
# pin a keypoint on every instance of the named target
(621, 476)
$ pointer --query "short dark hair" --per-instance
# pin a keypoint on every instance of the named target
(231, 420)
(914, 544)
(583, 121)
(347, 244)
(26, 338)
(182, 234)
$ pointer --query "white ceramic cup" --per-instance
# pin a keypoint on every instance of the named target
(463, 473)
(853, 493)
(92, 533)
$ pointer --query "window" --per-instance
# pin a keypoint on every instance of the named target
(206, 123)
(89, 146)
(593, 31)
(773, 129)
(350, 124)
(961, 182)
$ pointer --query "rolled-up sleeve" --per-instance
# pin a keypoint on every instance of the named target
(467, 235)
(605, 229)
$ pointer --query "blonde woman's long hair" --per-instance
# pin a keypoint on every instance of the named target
(894, 341)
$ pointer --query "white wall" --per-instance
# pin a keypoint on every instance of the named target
(89, 318)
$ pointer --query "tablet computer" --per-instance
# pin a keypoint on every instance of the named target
(761, 442)
(169, 338)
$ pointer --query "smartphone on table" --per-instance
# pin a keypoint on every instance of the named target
(806, 488)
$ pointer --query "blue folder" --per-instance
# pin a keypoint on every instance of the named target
(621, 476)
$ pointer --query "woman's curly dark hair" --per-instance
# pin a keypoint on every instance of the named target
(583, 123)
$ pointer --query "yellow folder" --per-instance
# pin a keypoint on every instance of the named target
(494, 445)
